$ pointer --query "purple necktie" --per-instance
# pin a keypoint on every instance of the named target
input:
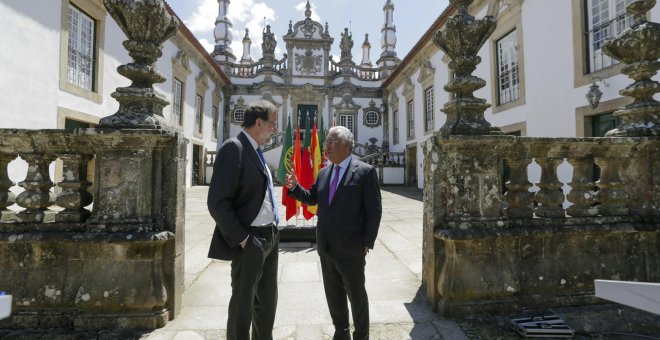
(333, 184)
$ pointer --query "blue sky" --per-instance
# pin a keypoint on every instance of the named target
(360, 16)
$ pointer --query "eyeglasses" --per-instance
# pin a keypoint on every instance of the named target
(272, 125)
(331, 141)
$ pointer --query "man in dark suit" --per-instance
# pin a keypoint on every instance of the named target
(349, 212)
(242, 204)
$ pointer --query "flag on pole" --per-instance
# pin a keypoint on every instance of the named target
(292, 208)
(307, 178)
(286, 168)
(316, 162)
(321, 131)
(285, 156)
(322, 135)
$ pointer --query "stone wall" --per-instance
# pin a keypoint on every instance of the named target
(495, 248)
(119, 266)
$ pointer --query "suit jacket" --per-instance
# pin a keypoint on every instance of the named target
(236, 193)
(352, 219)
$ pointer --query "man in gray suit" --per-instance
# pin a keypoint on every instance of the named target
(243, 206)
(349, 212)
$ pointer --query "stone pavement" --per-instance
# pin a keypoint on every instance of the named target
(398, 309)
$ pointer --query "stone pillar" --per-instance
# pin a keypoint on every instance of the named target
(461, 40)
(74, 196)
(611, 196)
(550, 196)
(37, 196)
(518, 197)
(7, 198)
(434, 202)
(637, 48)
(147, 25)
(582, 193)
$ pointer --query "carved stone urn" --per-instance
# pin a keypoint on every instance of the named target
(461, 40)
(147, 24)
(639, 48)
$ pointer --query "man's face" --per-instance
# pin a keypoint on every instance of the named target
(267, 128)
(336, 149)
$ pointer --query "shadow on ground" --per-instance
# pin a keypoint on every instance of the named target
(408, 192)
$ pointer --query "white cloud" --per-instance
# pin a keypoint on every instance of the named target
(203, 18)
(242, 14)
(248, 14)
(208, 46)
(303, 5)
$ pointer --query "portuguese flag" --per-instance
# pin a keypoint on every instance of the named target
(285, 168)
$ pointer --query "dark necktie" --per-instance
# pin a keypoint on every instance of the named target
(333, 184)
(270, 186)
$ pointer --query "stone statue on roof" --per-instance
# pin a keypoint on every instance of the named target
(269, 42)
(346, 45)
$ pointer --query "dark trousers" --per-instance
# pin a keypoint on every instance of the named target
(342, 279)
(254, 286)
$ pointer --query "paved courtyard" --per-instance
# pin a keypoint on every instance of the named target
(398, 309)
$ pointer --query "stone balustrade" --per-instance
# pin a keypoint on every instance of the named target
(116, 262)
(39, 149)
(361, 73)
(491, 246)
(385, 159)
(254, 69)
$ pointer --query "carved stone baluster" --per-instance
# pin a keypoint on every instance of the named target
(37, 196)
(7, 198)
(550, 196)
(582, 193)
(611, 196)
(518, 197)
(74, 195)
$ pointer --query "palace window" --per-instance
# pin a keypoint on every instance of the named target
(372, 117)
(428, 109)
(602, 123)
(214, 112)
(606, 18)
(395, 128)
(508, 82)
(239, 115)
(348, 121)
(199, 102)
(411, 119)
(177, 105)
(80, 62)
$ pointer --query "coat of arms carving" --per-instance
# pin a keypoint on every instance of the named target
(308, 63)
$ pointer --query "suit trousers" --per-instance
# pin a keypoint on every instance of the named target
(344, 278)
(254, 286)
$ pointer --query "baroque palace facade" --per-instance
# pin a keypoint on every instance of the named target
(539, 64)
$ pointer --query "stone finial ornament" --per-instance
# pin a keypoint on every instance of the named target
(639, 48)
(147, 24)
(461, 41)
